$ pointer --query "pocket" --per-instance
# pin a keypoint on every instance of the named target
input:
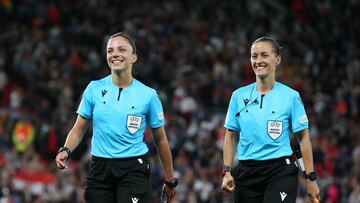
(140, 175)
(292, 168)
(97, 170)
(144, 165)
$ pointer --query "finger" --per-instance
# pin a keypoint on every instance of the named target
(226, 189)
(232, 188)
(61, 164)
(169, 197)
(318, 198)
(314, 200)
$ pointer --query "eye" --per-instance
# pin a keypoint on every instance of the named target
(122, 50)
(265, 55)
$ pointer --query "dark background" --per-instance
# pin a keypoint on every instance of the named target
(195, 53)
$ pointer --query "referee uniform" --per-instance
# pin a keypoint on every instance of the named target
(266, 171)
(120, 162)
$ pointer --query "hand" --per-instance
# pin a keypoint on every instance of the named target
(61, 159)
(228, 183)
(313, 191)
(168, 192)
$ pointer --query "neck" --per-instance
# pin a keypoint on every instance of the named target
(264, 85)
(121, 79)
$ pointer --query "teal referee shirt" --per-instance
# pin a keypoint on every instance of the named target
(120, 116)
(264, 122)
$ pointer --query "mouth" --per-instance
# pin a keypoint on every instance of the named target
(260, 67)
(117, 61)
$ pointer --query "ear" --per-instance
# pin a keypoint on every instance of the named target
(134, 58)
(278, 60)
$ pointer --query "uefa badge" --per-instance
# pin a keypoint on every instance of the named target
(133, 123)
(274, 129)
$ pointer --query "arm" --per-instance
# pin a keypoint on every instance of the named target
(73, 139)
(306, 150)
(229, 143)
(163, 149)
(228, 183)
(164, 152)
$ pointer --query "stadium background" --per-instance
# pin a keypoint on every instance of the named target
(195, 53)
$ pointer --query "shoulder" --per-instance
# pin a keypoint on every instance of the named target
(144, 89)
(100, 82)
(284, 89)
(245, 89)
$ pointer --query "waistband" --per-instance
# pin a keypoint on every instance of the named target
(280, 159)
(96, 158)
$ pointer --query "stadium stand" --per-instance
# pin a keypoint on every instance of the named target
(195, 53)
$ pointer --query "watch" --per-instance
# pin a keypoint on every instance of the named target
(311, 176)
(172, 184)
(67, 150)
(226, 169)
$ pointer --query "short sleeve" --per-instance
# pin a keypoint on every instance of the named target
(156, 114)
(299, 120)
(86, 105)
(231, 119)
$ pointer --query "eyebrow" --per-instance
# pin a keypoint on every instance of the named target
(121, 46)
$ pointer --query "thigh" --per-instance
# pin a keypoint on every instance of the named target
(250, 185)
(135, 186)
(96, 195)
(240, 198)
(126, 195)
(98, 187)
(282, 189)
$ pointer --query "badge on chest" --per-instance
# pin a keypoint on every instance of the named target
(133, 123)
(274, 129)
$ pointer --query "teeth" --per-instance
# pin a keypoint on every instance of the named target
(115, 62)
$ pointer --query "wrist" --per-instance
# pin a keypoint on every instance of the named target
(67, 150)
(226, 170)
(311, 176)
(171, 184)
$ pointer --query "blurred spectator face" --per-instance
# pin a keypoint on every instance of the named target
(119, 54)
(264, 60)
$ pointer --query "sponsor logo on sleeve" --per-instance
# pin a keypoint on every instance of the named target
(161, 115)
(303, 119)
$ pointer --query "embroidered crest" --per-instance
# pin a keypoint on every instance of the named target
(133, 123)
(274, 129)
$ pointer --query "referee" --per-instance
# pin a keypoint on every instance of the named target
(120, 107)
(263, 115)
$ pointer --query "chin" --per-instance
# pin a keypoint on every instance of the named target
(118, 69)
(261, 76)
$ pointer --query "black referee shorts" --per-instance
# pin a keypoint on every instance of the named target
(118, 180)
(270, 181)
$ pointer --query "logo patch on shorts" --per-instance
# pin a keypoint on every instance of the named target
(134, 199)
(283, 195)
(133, 123)
(274, 129)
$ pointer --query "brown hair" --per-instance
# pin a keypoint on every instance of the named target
(127, 37)
(275, 45)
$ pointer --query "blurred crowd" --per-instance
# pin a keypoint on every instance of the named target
(195, 53)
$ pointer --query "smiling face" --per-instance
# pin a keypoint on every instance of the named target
(264, 59)
(120, 54)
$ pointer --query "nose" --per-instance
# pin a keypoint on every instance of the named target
(115, 54)
(258, 60)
